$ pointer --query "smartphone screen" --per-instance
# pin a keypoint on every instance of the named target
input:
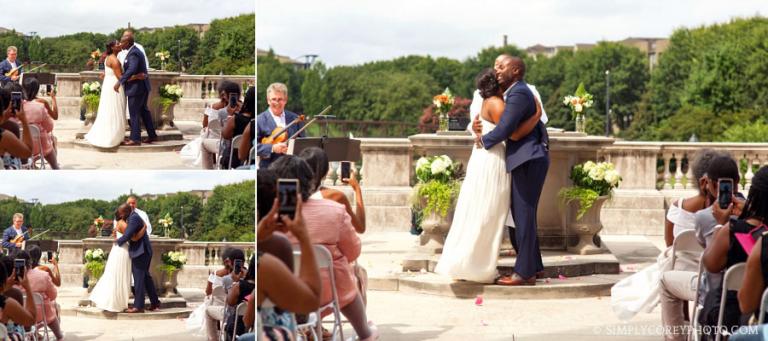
(238, 266)
(48, 89)
(286, 192)
(233, 100)
(49, 254)
(16, 100)
(345, 170)
(19, 263)
(725, 192)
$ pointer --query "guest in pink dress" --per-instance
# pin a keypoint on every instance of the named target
(40, 282)
(38, 114)
(329, 224)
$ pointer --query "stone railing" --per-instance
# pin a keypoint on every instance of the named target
(654, 174)
(198, 90)
(202, 258)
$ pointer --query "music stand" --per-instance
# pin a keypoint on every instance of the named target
(337, 148)
(42, 77)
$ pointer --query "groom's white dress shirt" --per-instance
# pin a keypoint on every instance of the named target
(143, 215)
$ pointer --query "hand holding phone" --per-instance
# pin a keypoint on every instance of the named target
(724, 192)
(238, 266)
(20, 266)
(286, 192)
(233, 100)
(346, 167)
(16, 101)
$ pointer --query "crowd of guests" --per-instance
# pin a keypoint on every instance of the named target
(729, 227)
(17, 147)
(323, 217)
(222, 122)
(19, 314)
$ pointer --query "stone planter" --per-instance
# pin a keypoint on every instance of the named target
(170, 283)
(435, 230)
(166, 118)
(585, 228)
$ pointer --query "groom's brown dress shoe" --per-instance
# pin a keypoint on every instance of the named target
(153, 307)
(148, 140)
(131, 143)
(515, 279)
(134, 310)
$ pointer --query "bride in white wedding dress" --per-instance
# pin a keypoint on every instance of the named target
(113, 288)
(471, 249)
(109, 128)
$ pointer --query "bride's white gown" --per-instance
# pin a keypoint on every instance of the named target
(109, 128)
(114, 286)
(472, 247)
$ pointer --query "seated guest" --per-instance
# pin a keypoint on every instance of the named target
(280, 292)
(244, 150)
(222, 278)
(276, 117)
(677, 285)
(21, 310)
(41, 283)
(756, 213)
(239, 123)
(725, 250)
(219, 111)
(244, 284)
(13, 146)
(15, 235)
(329, 225)
(38, 115)
(30, 94)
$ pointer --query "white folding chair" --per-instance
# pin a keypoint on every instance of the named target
(219, 297)
(324, 261)
(42, 325)
(763, 302)
(252, 155)
(235, 142)
(239, 311)
(214, 131)
(37, 139)
(732, 280)
(696, 306)
(685, 244)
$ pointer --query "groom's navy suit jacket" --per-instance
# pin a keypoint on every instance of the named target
(135, 63)
(140, 247)
(520, 105)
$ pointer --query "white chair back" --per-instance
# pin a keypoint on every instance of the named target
(685, 245)
(235, 144)
(42, 325)
(239, 311)
(252, 155)
(218, 295)
(763, 302)
(37, 140)
(324, 260)
(696, 306)
(732, 280)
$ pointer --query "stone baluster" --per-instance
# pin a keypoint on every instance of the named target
(216, 260)
(678, 172)
(334, 173)
(359, 169)
(691, 183)
(667, 174)
(749, 174)
(203, 89)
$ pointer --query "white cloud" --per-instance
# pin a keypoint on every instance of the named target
(51, 187)
(353, 32)
(56, 17)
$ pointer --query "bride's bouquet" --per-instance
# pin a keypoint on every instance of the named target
(95, 260)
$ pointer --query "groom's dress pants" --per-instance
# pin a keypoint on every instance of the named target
(138, 111)
(527, 184)
(142, 281)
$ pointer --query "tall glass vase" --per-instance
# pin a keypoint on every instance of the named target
(443, 122)
(581, 123)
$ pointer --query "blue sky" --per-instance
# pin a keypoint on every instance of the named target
(352, 32)
(51, 187)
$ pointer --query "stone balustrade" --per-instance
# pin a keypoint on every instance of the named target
(202, 258)
(654, 174)
(198, 90)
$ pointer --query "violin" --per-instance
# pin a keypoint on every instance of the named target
(279, 134)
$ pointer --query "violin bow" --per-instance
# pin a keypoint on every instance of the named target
(310, 122)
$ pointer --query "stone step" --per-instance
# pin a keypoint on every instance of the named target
(388, 218)
(387, 196)
(572, 287)
(162, 135)
(162, 314)
(159, 146)
(165, 302)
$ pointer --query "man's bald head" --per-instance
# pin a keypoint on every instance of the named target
(509, 69)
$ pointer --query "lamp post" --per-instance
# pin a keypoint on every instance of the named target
(178, 41)
(607, 102)
(183, 231)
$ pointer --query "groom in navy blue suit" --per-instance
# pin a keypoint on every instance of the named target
(141, 255)
(527, 160)
(137, 91)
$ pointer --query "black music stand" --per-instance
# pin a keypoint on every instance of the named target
(42, 77)
(337, 148)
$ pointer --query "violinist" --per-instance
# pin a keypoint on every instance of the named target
(275, 119)
(15, 235)
(10, 69)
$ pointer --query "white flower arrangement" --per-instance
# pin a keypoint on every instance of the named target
(591, 180)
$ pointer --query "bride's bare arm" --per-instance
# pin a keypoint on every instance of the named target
(115, 66)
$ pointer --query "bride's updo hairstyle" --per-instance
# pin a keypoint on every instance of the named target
(487, 84)
(110, 45)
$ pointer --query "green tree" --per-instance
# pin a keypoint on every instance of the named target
(229, 213)
(228, 45)
(270, 70)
